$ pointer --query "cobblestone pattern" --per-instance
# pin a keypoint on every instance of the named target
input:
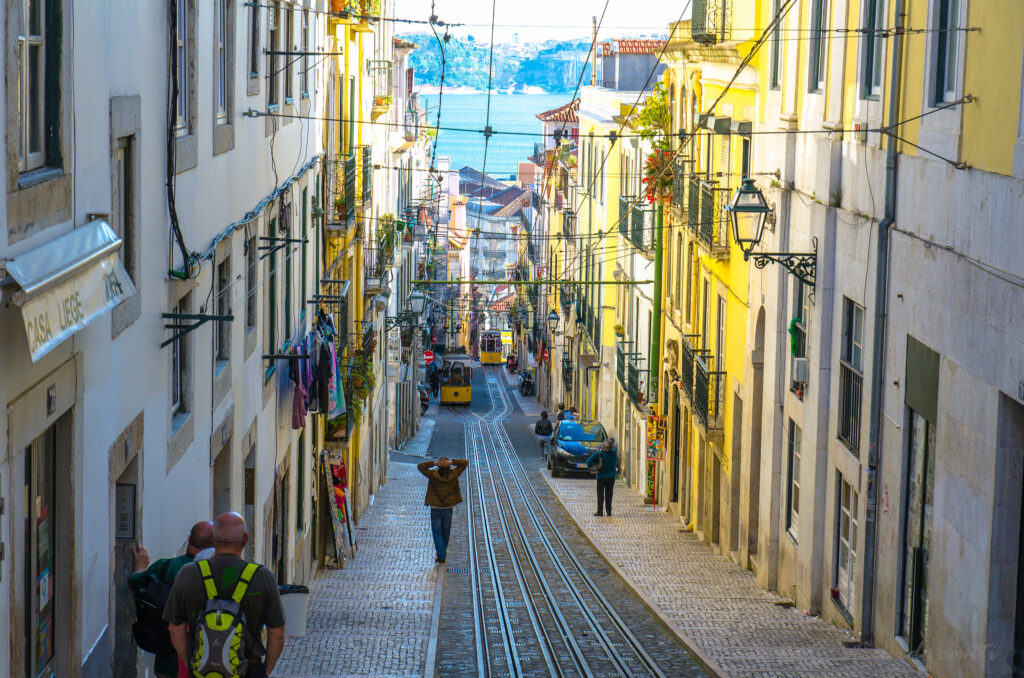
(372, 618)
(718, 605)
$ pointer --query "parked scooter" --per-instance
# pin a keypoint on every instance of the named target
(526, 385)
(512, 363)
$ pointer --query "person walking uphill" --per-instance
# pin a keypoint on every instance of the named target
(443, 495)
(218, 608)
(608, 457)
(543, 430)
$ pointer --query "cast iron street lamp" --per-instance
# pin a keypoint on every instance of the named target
(552, 321)
(410, 317)
(748, 212)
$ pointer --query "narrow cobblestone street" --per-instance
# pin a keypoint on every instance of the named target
(373, 617)
(715, 605)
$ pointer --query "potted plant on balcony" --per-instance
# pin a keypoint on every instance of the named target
(339, 205)
(620, 331)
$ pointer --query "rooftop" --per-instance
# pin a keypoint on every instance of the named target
(564, 113)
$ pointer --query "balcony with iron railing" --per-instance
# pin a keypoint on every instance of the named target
(625, 203)
(364, 175)
(641, 231)
(706, 218)
(851, 384)
(631, 376)
(708, 392)
(374, 268)
(569, 226)
(689, 354)
(679, 186)
(710, 21)
(341, 187)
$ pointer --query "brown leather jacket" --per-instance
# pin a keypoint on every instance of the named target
(443, 485)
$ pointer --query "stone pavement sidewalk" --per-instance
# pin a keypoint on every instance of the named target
(377, 615)
(716, 607)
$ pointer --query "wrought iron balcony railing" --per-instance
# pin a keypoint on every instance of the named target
(711, 21)
(569, 225)
(341, 186)
(708, 393)
(625, 202)
(374, 266)
(704, 213)
(851, 384)
(689, 354)
(679, 185)
(641, 232)
(364, 173)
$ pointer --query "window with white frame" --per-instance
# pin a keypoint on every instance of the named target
(124, 218)
(33, 52)
(254, 40)
(181, 47)
(776, 54)
(273, 46)
(179, 366)
(304, 74)
(872, 49)
(720, 335)
(250, 283)
(947, 46)
(818, 53)
(846, 543)
(222, 329)
(288, 46)
(793, 479)
(222, 74)
(851, 374)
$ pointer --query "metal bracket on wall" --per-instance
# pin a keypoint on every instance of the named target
(279, 243)
(181, 329)
(803, 265)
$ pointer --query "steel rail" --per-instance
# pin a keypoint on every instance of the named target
(534, 500)
(589, 616)
(577, 655)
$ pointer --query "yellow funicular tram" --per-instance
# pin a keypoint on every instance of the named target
(456, 383)
(490, 348)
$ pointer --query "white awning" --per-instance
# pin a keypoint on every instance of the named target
(67, 283)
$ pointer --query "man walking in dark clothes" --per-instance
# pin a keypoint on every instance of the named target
(443, 495)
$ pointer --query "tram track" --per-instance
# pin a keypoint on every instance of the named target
(536, 608)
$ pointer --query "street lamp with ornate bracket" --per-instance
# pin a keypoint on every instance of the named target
(748, 212)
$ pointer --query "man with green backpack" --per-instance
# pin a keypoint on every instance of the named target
(218, 608)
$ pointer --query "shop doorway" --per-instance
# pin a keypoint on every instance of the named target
(125, 650)
(754, 474)
(46, 556)
(917, 529)
(249, 508)
(677, 449)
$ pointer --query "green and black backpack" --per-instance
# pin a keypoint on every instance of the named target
(220, 643)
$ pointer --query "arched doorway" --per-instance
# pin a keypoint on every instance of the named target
(754, 474)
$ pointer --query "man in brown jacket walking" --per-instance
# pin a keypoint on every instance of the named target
(443, 494)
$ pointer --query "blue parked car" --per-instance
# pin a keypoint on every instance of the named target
(571, 443)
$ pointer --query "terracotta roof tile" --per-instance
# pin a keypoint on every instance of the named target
(633, 46)
(564, 113)
(404, 44)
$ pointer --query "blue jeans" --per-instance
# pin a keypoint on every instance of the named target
(441, 526)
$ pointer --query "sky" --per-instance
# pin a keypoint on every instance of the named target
(537, 20)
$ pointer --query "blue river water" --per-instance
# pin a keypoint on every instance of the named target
(509, 113)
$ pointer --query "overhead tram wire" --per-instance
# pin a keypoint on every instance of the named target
(622, 125)
(765, 35)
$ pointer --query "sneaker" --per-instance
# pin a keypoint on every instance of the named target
(598, 514)
(439, 560)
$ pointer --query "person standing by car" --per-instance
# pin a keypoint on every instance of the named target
(543, 430)
(443, 495)
(561, 411)
(608, 457)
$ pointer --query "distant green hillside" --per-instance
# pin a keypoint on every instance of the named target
(552, 66)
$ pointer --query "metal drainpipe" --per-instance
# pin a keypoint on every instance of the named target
(879, 334)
